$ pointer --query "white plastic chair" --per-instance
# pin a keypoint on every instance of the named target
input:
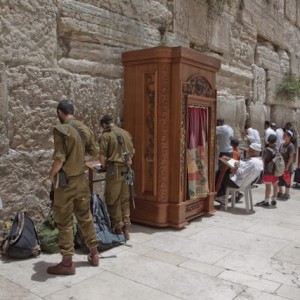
(247, 196)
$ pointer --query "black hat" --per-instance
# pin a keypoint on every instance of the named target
(66, 106)
(106, 119)
(234, 141)
(272, 138)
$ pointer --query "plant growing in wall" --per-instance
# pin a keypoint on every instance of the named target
(217, 6)
(289, 87)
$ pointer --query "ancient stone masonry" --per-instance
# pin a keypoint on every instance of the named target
(54, 49)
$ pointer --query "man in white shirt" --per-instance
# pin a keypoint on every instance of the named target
(244, 172)
(268, 131)
(251, 134)
(224, 133)
(279, 133)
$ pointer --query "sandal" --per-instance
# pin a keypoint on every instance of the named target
(263, 203)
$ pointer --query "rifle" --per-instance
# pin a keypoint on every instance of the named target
(129, 178)
(129, 175)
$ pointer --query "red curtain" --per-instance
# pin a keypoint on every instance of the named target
(197, 152)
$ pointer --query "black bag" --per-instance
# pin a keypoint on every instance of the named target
(297, 175)
(22, 240)
(103, 227)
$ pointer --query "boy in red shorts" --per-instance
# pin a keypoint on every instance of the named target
(268, 178)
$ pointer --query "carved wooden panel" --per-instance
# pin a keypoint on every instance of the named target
(149, 185)
(163, 137)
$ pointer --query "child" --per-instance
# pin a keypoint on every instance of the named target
(234, 143)
(268, 178)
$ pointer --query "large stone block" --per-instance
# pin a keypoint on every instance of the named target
(243, 41)
(259, 84)
(25, 184)
(33, 97)
(196, 20)
(147, 11)
(92, 39)
(291, 10)
(233, 110)
(282, 114)
(28, 32)
(257, 115)
(235, 80)
(218, 35)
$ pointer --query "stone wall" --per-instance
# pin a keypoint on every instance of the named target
(72, 49)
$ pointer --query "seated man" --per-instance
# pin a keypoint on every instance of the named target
(243, 173)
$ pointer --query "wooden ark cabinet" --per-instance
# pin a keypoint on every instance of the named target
(170, 110)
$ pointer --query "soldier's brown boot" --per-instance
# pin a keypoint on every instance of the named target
(65, 267)
(93, 257)
(125, 232)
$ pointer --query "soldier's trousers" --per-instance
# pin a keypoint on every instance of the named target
(74, 198)
(117, 197)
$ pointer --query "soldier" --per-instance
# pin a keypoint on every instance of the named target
(72, 140)
(113, 144)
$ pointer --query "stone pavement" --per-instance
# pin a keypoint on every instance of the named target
(230, 255)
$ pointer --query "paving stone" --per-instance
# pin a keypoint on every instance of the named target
(289, 292)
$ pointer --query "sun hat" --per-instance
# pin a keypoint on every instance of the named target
(256, 147)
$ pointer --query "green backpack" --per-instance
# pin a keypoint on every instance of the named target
(48, 234)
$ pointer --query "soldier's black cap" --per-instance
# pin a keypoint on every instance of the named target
(106, 119)
(66, 106)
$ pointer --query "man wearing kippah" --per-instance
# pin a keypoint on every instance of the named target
(115, 153)
(72, 140)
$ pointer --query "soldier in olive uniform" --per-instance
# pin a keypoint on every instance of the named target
(113, 142)
(72, 140)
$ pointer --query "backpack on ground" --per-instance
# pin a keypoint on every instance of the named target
(277, 165)
(22, 240)
(108, 239)
(48, 234)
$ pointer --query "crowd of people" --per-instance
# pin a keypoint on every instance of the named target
(73, 141)
(260, 162)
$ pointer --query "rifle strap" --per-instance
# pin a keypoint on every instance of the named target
(120, 141)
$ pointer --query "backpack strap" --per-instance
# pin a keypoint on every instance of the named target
(21, 222)
(273, 151)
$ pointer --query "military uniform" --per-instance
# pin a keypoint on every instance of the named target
(116, 190)
(72, 140)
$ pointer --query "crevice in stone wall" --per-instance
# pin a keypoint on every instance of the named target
(64, 46)
(204, 49)
(170, 6)
(248, 112)
(3, 111)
